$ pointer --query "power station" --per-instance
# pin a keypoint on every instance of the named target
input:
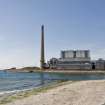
(70, 59)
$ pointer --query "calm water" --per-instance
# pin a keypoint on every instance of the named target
(18, 81)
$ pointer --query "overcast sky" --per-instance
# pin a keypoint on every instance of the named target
(69, 24)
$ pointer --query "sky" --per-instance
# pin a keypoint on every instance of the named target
(69, 24)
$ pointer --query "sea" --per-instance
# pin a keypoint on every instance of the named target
(11, 82)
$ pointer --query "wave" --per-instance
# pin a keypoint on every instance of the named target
(16, 91)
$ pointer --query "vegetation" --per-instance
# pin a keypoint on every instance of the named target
(24, 69)
(30, 68)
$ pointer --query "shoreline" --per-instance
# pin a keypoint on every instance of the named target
(21, 94)
(18, 94)
(75, 72)
(61, 71)
(69, 93)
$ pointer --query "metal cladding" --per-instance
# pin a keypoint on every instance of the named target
(76, 60)
(75, 54)
(42, 59)
(72, 60)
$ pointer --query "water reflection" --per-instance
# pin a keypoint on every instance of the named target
(42, 78)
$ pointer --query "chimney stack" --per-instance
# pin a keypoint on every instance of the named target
(42, 59)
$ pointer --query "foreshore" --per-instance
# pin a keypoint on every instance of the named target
(61, 71)
(76, 71)
(72, 93)
(7, 97)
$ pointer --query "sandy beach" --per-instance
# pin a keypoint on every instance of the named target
(77, 93)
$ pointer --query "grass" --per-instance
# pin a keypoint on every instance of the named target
(28, 93)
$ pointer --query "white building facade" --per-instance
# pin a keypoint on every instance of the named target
(76, 60)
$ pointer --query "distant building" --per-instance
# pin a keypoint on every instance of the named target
(100, 64)
(76, 60)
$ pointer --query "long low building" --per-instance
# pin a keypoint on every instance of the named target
(76, 60)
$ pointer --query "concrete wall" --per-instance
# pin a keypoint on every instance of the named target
(75, 54)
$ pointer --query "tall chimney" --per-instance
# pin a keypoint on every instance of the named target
(42, 59)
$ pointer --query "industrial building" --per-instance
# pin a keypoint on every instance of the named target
(76, 60)
(70, 59)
